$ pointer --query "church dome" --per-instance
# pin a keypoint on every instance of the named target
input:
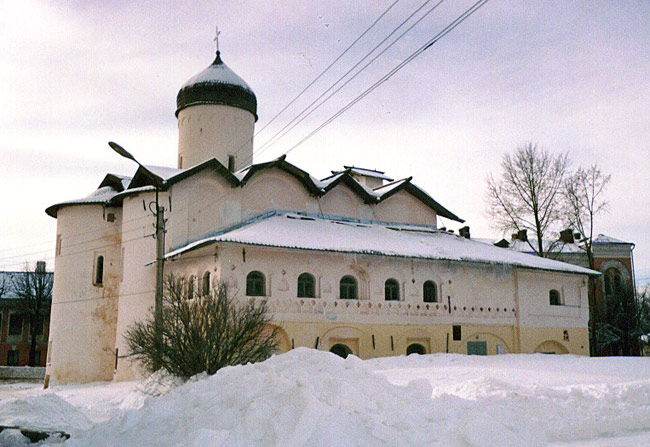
(217, 84)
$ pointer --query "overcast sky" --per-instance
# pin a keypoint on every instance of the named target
(570, 76)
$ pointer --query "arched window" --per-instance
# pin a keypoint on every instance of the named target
(205, 290)
(348, 288)
(306, 286)
(190, 287)
(430, 292)
(341, 350)
(415, 348)
(255, 284)
(391, 290)
(99, 271)
(554, 298)
(613, 282)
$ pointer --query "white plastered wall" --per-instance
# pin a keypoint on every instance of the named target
(138, 280)
(84, 312)
(207, 130)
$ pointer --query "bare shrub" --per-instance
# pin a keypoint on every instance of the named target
(201, 333)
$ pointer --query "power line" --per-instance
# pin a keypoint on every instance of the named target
(328, 67)
(398, 67)
(290, 125)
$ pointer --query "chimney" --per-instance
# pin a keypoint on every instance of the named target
(566, 236)
(521, 235)
(40, 267)
(464, 232)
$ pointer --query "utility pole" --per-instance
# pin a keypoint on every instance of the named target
(159, 184)
(160, 263)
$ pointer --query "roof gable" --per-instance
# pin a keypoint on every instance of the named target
(386, 191)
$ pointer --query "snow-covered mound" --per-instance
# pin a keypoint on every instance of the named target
(302, 398)
(312, 398)
(44, 412)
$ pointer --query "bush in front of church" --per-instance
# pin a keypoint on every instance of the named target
(201, 332)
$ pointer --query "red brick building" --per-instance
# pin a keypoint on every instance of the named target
(14, 326)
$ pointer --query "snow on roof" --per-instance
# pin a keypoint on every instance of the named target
(163, 171)
(604, 239)
(310, 232)
(369, 172)
(554, 246)
(383, 189)
(218, 73)
(100, 196)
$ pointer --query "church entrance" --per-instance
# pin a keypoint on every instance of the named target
(415, 348)
(341, 350)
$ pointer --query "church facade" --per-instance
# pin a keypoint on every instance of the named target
(354, 263)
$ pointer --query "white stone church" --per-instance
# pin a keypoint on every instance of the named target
(353, 263)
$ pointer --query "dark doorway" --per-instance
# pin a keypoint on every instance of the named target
(415, 348)
(341, 350)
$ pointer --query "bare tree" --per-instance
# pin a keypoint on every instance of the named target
(34, 291)
(4, 284)
(528, 195)
(201, 332)
(583, 192)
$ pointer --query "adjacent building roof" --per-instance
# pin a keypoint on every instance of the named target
(311, 232)
(7, 290)
(553, 245)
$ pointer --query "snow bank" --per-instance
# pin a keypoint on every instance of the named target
(312, 398)
(302, 398)
(45, 412)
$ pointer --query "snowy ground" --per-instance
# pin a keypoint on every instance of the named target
(312, 398)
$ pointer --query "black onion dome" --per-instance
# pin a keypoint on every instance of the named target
(217, 84)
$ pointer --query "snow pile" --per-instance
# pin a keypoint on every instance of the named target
(302, 398)
(312, 398)
(45, 412)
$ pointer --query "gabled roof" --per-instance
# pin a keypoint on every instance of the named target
(141, 178)
(114, 187)
(311, 232)
(280, 163)
(362, 171)
(604, 239)
(386, 191)
(345, 177)
(117, 182)
(212, 165)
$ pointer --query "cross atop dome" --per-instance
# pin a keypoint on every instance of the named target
(216, 37)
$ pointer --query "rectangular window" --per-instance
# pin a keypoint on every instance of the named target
(13, 357)
(99, 271)
(58, 245)
(457, 332)
(15, 324)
